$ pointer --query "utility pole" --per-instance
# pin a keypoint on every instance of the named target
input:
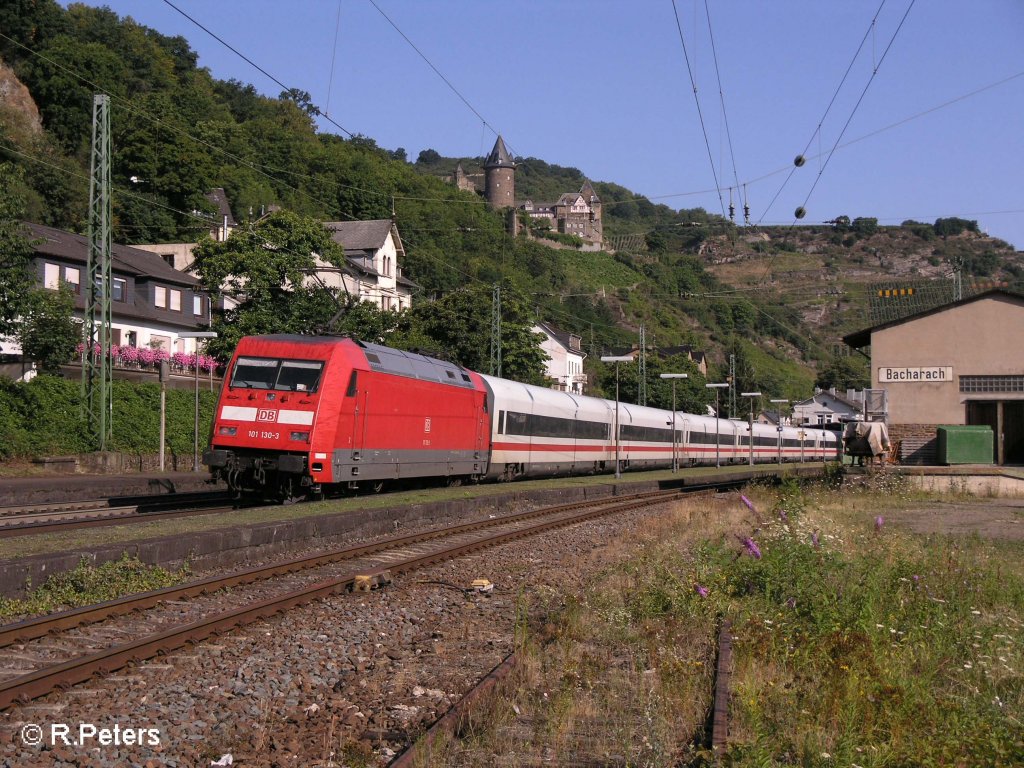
(496, 331)
(958, 278)
(641, 383)
(97, 368)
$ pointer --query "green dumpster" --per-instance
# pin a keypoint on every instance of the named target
(964, 445)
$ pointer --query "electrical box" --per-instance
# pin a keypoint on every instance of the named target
(965, 445)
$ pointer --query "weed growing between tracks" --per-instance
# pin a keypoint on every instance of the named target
(88, 583)
(856, 644)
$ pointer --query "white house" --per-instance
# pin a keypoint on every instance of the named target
(151, 303)
(826, 407)
(565, 359)
(372, 271)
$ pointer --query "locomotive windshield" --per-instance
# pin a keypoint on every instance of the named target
(268, 373)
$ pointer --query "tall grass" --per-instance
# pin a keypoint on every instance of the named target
(856, 644)
(873, 648)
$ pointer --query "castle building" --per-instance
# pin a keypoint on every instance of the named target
(574, 213)
(500, 177)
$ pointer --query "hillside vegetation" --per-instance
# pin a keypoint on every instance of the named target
(775, 299)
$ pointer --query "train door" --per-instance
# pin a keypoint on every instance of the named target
(482, 425)
(359, 420)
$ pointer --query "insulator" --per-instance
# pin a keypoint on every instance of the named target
(732, 212)
(800, 212)
(799, 160)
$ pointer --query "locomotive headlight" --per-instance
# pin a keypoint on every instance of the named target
(229, 431)
(303, 436)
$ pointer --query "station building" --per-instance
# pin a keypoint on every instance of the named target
(956, 364)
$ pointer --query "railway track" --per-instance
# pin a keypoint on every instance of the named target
(68, 648)
(28, 519)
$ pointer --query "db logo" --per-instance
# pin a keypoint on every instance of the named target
(265, 414)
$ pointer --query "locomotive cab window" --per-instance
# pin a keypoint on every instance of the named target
(283, 375)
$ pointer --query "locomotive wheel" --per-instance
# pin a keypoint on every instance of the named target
(454, 482)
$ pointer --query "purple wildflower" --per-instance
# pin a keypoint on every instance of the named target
(700, 590)
(783, 516)
(748, 503)
(879, 522)
(814, 539)
(791, 603)
(751, 546)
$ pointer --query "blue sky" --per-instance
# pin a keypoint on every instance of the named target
(602, 85)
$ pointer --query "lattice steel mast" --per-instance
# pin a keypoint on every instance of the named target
(97, 366)
(496, 331)
(641, 381)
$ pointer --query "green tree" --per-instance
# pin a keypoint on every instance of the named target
(15, 249)
(844, 372)
(865, 226)
(691, 394)
(459, 325)
(953, 226)
(364, 320)
(266, 270)
(48, 332)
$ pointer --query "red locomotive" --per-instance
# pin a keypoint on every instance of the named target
(301, 413)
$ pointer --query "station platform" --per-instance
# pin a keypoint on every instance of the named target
(44, 488)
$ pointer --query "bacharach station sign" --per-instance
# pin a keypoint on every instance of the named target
(930, 375)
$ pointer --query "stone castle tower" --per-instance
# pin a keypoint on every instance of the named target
(500, 177)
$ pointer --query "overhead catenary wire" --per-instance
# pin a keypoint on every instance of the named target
(700, 114)
(853, 112)
(439, 73)
(817, 131)
(334, 57)
(130, 107)
(252, 63)
(721, 97)
(267, 170)
(849, 119)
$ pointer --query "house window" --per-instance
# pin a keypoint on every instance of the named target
(197, 305)
(160, 296)
(168, 258)
(175, 300)
(73, 277)
(51, 276)
(119, 290)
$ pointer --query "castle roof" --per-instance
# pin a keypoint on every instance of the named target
(499, 157)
